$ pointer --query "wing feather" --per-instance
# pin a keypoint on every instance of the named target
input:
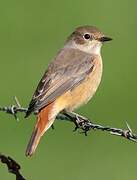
(60, 78)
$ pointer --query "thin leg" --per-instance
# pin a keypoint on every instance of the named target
(78, 120)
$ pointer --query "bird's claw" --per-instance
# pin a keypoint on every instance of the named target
(83, 124)
(76, 128)
(84, 132)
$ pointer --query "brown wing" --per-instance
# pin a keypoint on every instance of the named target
(66, 71)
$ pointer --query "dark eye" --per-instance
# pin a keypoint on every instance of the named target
(87, 36)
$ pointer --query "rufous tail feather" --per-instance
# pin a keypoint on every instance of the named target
(42, 125)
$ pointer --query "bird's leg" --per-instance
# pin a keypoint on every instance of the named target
(79, 121)
(70, 117)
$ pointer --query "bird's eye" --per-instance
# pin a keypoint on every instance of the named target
(87, 36)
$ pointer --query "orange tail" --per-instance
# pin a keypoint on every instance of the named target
(43, 124)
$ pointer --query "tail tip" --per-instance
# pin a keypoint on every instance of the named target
(28, 154)
(32, 145)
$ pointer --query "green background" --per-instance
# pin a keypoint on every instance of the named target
(31, 32)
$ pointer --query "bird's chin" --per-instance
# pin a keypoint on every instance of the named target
(95, 47)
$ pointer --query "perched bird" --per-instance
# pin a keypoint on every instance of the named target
(71, 80)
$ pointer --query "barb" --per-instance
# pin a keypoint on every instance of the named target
(13, 166)
(80, 122)
(86, 125)
(14, 109)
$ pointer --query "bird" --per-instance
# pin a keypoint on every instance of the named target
(70, 80)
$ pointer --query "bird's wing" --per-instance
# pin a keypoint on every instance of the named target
(61, 77)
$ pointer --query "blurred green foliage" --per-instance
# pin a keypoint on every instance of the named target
(31, 32)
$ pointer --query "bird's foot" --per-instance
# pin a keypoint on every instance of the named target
(79, 121)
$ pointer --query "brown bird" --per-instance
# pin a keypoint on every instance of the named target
(71, 80)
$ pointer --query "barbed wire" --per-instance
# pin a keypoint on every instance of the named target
(80, 122)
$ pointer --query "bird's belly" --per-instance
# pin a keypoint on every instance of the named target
(85, 91)
(82, 93)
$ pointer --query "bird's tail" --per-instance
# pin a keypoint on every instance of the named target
(44, 122)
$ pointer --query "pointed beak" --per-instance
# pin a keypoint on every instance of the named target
(104, 39)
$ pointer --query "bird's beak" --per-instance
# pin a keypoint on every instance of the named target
(104, 39)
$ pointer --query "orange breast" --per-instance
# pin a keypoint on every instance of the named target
(82, 93)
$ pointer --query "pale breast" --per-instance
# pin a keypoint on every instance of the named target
(84, 92)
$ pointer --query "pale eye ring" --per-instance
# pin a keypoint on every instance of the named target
(87, 36)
